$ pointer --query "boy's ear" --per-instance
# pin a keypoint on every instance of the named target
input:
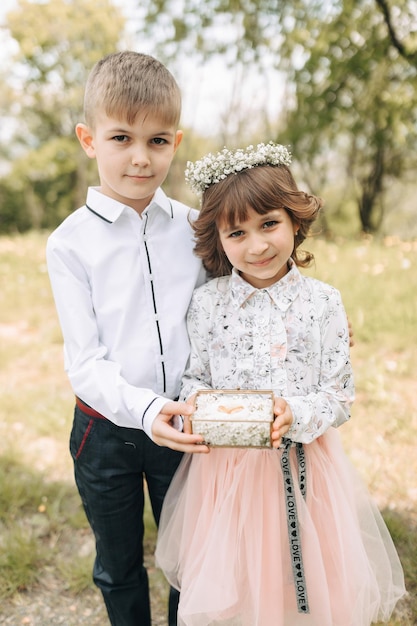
(86, 139)
(178, 138)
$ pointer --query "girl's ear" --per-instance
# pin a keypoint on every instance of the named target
(86, 139)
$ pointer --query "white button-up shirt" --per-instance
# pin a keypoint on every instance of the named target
(291, 338)
(122, 284)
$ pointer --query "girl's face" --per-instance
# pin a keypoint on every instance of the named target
(259, 247)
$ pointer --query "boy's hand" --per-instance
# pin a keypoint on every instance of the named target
(282, 422)
(164, 434)
(187, 424)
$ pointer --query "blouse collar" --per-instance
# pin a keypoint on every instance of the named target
(283, 292)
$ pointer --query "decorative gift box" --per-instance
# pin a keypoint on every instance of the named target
(231, 418)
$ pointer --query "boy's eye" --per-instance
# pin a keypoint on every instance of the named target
(159, 141)
(120, 138)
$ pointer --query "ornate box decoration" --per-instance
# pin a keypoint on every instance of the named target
(234, 418)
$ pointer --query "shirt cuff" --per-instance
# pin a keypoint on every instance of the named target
(150, 413)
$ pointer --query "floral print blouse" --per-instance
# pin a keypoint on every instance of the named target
(291, 337)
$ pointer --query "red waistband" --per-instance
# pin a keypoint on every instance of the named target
(85, 408)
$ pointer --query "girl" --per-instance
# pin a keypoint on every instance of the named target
(281, 536)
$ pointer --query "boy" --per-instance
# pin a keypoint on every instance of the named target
(122, 271)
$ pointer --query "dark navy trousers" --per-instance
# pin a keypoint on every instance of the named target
(110, 465)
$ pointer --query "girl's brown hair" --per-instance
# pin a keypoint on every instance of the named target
(262, 188)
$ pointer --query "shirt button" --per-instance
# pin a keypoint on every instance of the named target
(262, 372)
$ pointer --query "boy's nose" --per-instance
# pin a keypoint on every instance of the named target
(140, 157)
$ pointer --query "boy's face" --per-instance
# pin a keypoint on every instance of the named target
(133, 159)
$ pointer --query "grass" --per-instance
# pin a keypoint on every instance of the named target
(45, 542)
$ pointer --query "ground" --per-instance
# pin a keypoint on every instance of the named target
(47, 605)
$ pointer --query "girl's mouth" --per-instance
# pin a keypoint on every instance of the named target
(261, 263)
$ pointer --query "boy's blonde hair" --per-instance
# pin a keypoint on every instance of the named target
(124, 83)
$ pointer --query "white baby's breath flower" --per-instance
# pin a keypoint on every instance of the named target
(213, 168)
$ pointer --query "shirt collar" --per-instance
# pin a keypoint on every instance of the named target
(110, 210)
(283, 292)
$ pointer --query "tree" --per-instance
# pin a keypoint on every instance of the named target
(56, 43)
(401, 25)
(355, 96)
(351, 94)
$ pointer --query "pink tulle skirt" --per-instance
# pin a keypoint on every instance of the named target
(224, 541)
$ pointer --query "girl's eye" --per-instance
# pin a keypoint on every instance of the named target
(270, 223)
(237, 233)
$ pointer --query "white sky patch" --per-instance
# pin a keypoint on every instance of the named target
(216, 99)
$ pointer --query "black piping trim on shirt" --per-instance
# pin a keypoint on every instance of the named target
(161, 348)
(110, 221)
(98, 215)
(146, 410)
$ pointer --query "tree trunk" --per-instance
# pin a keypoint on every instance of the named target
(370, 208)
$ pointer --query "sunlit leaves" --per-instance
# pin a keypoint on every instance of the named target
(349, 92)
(56, 44)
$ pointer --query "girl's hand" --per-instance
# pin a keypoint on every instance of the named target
(282, 422)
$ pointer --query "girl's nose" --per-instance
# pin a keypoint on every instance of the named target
(257, 245)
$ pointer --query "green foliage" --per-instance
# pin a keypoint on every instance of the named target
(31, 511)
(57, 43)
(76, 573)
(365, 270)
(348, 107)
(20, 560)
(39, 185)
(241, 31)
(20, 492)
(350, 92)
(406, 543)
(57, 46)
(45, 542)
(355, 96)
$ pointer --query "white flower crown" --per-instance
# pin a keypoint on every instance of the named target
(213, 168)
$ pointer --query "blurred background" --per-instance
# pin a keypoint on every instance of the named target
(334, 80)
(337, 82)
